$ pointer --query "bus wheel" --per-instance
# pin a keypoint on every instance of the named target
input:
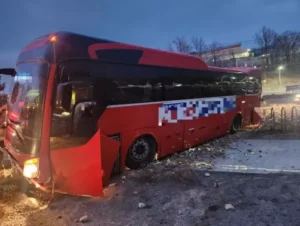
(141, 152)
(236, 124)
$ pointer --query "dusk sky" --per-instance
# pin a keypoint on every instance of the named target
(153, 23)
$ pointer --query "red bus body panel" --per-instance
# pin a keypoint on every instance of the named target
(78, 170)
(83, 170)
(153, 56)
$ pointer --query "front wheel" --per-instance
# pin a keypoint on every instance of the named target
(236, 124)
(141, 152)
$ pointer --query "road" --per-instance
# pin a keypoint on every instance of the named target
(279, 99)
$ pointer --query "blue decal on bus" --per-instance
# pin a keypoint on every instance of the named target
(191, 109)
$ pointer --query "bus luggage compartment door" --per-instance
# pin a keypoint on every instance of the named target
(83, 170)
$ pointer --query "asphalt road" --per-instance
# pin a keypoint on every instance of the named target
(279, 99)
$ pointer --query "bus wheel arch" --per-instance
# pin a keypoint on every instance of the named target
(236, 123)
(141, 151)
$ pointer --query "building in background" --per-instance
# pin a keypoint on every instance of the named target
(231, 56)
(237, 56)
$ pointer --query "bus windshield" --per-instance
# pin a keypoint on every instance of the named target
(27, 97)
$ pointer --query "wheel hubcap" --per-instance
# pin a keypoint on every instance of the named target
(140, 150)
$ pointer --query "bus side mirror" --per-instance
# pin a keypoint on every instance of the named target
(64, 97)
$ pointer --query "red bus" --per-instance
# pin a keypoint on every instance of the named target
(83, 109)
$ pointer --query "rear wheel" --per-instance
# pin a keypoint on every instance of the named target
(141, 152)
(236, 124)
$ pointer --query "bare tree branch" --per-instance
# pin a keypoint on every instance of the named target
(181, 45)
(199, 46)
(213, 48)
(170, 48)
(265, 39)
(287, 43)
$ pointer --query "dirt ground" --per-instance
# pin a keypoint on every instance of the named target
(179, 190)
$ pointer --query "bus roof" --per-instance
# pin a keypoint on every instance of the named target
(70, 45)
(245, 70)
(248, 70)
(223, 69)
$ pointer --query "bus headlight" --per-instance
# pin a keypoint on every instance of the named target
(31, 168)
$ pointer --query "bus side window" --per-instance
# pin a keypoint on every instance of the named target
(125, 92)
(226, 85)
(238, 84)
(157, 91)
(208, 82)
(133, 83)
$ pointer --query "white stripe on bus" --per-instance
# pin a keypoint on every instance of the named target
(166, 102)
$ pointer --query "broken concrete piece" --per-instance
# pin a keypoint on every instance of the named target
(142, 205)
(229, 207)
(84, 219)
(207, 174)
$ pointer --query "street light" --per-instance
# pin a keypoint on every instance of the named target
(280, 68)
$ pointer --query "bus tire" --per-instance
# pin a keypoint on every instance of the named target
(236, 124)
(141, 152)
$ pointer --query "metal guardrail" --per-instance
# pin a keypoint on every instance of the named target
(285, 119)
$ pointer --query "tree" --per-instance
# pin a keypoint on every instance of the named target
(287, 43)
(181, 45)
(171, 48)
(213, 49)
(265, 39)
(199, 46)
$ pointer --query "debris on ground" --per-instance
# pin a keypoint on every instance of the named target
(112, 185)
(229, 207)
(204, 165)
(216, 184)
(207, 174)
(84, 219)
(142, 205)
